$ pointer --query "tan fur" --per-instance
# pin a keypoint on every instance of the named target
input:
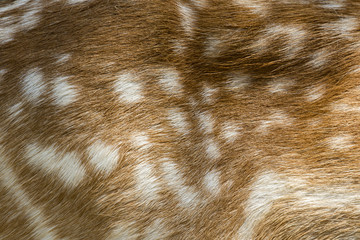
(210, 119)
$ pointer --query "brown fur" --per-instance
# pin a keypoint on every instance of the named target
(278, 145)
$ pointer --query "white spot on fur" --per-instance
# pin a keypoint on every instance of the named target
(188, 18)
(64, 165)
(156, 230)
(30, 18)
(277, 119)
(128, 89)
(15, 111)
(200, 3)
(294, 34)
(280, 85)
(212, 47)
(212, 149)
(63, 93)
(169, 79)
(345, 27)
(179, 46)
(319, 58)
(255, 6)
(237, 81)
(146, 182)
(208, 94)
(177, 119)
(77, 1)
(267, 188)
(315, 93)
(141, 140)
(271, 187)
(206, 122)
(63, 58)
(103, 157)
(2, 73)
(343, 107)
(123, 231)
(230, 132)
(212, 182)
(187, 196)
(341, 142)
(333, 4)
(36, 218)
(7, 34)
(14, 5)
(33, 84)
(329, 198)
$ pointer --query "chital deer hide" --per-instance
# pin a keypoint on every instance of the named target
(179, 119)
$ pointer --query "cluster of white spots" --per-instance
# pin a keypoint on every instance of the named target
(255, 6)
(128, 88)
(62, 58)
(67, 166)
(208, 94)
(155, 231)
(212, 182)
(212, 47)
(147, 183)
(319, 58)
(345, 27)
(277, 119)
(33, 84)
(103, 157)
(280, 85)
(264, 191)
(230, 131)
(10, 25)
(206, 122)
(294, 35)
(211, 148)
(188, 18)
(170, 80)
(177, 119)
(314, 93)
(63, 93)
(141, 141)
(36, 218)
(237, 81)
(187, 196)
(340, 142)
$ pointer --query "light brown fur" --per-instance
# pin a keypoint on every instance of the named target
(181, 119)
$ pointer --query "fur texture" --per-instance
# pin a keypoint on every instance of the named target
(208, 119)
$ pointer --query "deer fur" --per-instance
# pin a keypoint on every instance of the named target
(179, 119)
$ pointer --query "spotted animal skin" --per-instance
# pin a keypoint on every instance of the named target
(179, 119)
